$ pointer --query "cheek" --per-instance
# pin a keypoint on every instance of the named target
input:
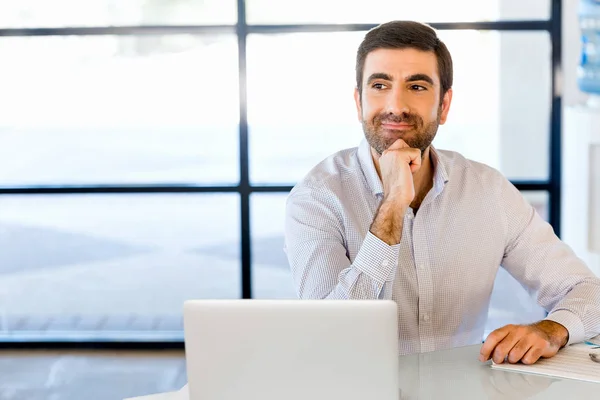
(430, 112)
(364, 110)
(369, 110)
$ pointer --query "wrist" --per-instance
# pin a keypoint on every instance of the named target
(557, 333)
(397, 200)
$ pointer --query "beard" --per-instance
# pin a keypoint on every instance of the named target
(420, 136)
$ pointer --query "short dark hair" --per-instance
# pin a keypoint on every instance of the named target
(402, 35)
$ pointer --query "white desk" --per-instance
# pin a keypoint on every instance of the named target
(458, 374)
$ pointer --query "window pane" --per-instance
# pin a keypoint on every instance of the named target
(118, 265)
(378, 11)
(271, 277)
(309, 113)
(511, 303)
(500, 112)
(119, 110)
(64, 13)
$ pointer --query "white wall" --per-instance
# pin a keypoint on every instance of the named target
(571, 51)
(575, 149)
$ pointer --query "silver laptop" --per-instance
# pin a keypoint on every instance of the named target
(291, 349)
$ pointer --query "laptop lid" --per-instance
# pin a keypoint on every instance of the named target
(291, 349)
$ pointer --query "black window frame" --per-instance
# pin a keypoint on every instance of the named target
(245, 189)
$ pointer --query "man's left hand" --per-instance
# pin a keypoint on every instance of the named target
(525, 343)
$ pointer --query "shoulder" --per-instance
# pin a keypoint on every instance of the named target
(464, 170)
(329, 175)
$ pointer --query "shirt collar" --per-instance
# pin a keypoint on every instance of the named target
(440, 170)
(368, 167)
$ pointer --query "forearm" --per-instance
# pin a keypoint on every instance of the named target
(389, 221)
(356, 285)
(536, 257)
(324, 271)
(320, 261)
(369, 281)
(579, 310)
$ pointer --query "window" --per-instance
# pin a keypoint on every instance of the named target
(92, 265)
(343, 12)
(96, 13)
(122, 110)
(147, 149)
(310, 112)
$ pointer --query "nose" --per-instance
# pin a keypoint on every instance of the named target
(397, 103)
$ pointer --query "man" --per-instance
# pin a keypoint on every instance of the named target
(398, 219)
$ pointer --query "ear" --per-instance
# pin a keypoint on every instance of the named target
(358, 105)
(446, 101)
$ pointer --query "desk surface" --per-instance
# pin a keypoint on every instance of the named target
(88, 374)
(457, 374)
(99, 375)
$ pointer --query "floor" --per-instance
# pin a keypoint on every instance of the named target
(90, 375)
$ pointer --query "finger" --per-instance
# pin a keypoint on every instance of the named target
(519, 350)
(416, 161)
(491, 341)
(409, 155)
(532, 356)
(505, 346)
(412, 157)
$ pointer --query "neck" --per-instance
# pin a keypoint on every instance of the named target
(422, 179)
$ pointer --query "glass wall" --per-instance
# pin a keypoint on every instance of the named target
(147, 148)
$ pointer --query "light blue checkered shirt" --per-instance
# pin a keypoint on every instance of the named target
(442, 272)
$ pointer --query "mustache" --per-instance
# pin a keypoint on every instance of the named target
(404, 118)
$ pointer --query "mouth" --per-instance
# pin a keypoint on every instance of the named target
(396, 126)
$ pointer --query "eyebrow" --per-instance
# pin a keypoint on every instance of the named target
(411, 78)
(379, 75)
(420, 77)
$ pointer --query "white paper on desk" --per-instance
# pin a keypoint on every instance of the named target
(572, 362)
(181, 394)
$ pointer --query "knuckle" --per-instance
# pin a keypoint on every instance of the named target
(514, 356)
(500, 352)
(521, 346)
(532, 337)
(495, 334)
(523, 330)
(532, 356)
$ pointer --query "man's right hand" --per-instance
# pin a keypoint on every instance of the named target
(397, 165)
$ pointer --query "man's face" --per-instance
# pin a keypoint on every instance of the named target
(401, 98)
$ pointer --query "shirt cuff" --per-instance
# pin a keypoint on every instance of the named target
(570, 321)
(377, 259)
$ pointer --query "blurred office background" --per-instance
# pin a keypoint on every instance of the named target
(147, 146)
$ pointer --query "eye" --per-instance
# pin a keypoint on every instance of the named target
(379, 86)
(418, 88)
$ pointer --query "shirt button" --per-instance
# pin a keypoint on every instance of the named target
(421, 266)
(426, 317)
(385, 263)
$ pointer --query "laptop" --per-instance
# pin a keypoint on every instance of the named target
(291, 349)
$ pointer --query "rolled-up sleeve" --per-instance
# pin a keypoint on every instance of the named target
(539, 260)
(318, 257)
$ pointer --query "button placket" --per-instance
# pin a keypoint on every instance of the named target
(425, 286)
